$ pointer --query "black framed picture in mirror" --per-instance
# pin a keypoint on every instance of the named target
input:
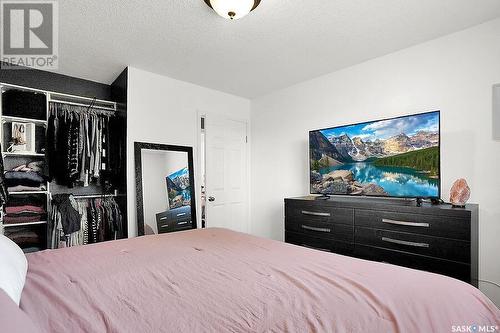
(165, 188)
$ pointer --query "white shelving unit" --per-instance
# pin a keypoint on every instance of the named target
(28, 192)
(38, 122)
(28, 154)
(9, 119)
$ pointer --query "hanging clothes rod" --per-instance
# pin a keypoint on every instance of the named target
(94, 107)
(95, 196)
(78, 99)
(53, 93)
(89, 196)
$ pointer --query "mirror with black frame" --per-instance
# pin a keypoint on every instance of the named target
(165, 188)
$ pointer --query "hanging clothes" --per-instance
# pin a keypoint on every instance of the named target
(81, 145)
(97, 220)
(115, 153)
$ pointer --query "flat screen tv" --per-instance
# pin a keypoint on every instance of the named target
(397, 157)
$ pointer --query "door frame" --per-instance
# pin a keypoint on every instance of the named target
(206, 114)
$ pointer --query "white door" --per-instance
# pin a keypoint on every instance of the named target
(226, 173)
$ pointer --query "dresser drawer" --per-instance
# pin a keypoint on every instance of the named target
(182, 213)
(173, 225)
(342, 232)
(318, 243)
(297, 211)
(173, 220)
(183, 225)
(457, 270)
(439, 226)
(443, 248)
(164, 225)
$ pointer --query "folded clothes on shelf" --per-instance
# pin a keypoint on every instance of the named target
(23, 219)
(22, 188)
(24, 209)
(30, 179)
(36, 166)
(23, 214)
(23, 237)
(39, 200)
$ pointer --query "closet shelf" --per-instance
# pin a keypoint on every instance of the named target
(23, 224)
(28, 192)
(5, 153)
(7, 119)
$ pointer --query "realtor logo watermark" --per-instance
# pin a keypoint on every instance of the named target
(474, 329)
(29, 34)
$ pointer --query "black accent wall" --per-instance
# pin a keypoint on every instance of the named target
(119, 95)
(50, 81)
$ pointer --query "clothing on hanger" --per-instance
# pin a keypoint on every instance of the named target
(82, 144)
(98, 219)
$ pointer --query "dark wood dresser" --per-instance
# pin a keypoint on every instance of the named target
(177, 219)
(434, 238)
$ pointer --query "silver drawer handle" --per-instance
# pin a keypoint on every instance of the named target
(316, 229)
(163, 218)
(306, 212)
(410, 224)
(185, 222)
(181, 214)
(165, 226)
(402, 242)
(315, 248)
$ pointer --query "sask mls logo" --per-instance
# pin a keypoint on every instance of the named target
(474, 328)
(29, 34)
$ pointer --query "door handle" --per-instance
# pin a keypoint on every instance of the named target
(211, 199)
(410, 224)
(402, 242)
(307, 212)
(315, 228)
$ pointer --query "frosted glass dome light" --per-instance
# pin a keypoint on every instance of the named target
(233, 9)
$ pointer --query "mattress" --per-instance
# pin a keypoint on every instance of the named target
(216, 280)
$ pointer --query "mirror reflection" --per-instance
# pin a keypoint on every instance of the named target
(167, 191)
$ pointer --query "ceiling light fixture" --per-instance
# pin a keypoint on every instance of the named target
(232, 9)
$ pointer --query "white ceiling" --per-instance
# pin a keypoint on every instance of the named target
(281, 43)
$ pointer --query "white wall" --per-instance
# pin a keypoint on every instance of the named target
(453, 74)
(164, 110)
(496, 112)
(155, 199)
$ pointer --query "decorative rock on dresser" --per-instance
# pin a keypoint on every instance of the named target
(434, 238)
(459, 193)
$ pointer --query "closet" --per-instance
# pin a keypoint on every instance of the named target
(63, 159)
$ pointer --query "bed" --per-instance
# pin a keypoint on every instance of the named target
(216, 280)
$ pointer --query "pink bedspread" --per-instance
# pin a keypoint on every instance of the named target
(216, 280)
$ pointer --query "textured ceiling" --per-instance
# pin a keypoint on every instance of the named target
(281, 43)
